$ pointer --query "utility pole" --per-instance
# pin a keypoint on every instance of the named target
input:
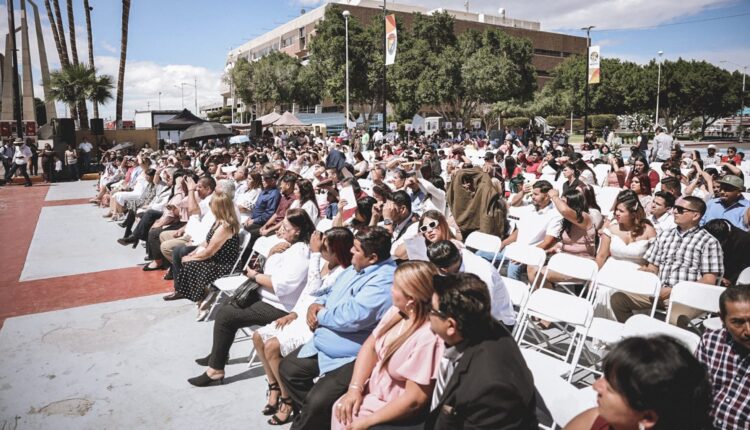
(346, 14)
(14, 59)
(658, 89)
(195, 86)
(385, 54)
(586, 104)
(159, 100)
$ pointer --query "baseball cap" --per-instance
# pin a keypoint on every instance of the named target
(733, 181)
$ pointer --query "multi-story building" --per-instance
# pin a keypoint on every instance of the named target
(294, 37)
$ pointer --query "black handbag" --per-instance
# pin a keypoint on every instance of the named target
(246, 294)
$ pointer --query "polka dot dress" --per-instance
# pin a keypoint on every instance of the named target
(197, 275)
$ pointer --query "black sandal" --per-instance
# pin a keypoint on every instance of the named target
(275, 420)
(272, 409)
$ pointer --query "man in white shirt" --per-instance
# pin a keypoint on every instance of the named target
(85, 148)
(662, 145)
(377, 137)
(661, 211)
(21, 156)
(449, 259)
(538, 224)
(712, 159)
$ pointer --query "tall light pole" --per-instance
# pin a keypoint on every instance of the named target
(658, 89)
(159, 100)
(742, 96)
(346, 25)
(228, 70)
(182, 93)
(586, 104)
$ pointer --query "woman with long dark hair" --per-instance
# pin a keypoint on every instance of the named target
(641, 186)
(305, 198)
(650, 383)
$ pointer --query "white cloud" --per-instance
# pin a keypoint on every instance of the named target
(145, 79)
(108, 47)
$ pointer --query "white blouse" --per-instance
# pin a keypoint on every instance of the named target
(288, 272)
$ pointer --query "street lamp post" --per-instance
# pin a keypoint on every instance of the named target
(742, 96)
(586, 92)
(658, 89)
(182, 93)
(346, 25)
(228, 69)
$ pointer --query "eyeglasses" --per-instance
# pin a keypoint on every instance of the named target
(437, 313)
(681, 210)
(428, 227)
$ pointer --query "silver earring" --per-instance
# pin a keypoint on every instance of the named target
(641, 426)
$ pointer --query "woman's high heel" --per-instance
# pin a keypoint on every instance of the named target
(204, 380)
(275, 420)
(270, 409)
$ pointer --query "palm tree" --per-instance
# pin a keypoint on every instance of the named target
(123, 56)
(101, 90)
(72, 32)
(77, 83)
(61, 32)
(60, 53)
(87, 9)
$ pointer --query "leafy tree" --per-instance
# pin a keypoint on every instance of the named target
(75, 84)
(556, 121)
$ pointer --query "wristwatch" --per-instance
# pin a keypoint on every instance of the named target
(387, 222)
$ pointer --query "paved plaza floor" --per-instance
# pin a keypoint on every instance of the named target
(86, 341)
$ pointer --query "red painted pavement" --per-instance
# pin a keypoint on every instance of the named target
(19, 212)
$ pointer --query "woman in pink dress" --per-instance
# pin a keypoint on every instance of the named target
(396, 368)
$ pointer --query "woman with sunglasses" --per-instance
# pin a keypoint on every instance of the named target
(395, 371)
(433, 227)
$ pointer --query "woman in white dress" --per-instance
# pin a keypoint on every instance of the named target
(331, 252)
(305, 199)
(622, 246)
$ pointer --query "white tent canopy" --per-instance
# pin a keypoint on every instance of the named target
(269, 119)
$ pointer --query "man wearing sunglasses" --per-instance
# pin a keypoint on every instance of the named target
(685, 253)
(483, 380)
(731, 205)
(450, 260)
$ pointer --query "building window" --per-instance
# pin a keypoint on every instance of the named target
(550, 53)
(333, 109)
(288, 41)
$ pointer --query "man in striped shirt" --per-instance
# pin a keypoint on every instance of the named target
(726, 355)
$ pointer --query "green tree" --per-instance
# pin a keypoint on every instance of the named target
(77, 83)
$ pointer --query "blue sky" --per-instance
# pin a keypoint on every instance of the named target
(174, 41)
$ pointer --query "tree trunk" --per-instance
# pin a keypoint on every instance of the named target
(123, 57)
(62, 55)
(72, 32)
(91, 46)
(61, 32)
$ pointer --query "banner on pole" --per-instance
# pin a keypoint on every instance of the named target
(594, 65)
(391, 39)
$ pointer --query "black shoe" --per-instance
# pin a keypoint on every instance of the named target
(168, 276)
(204, 380)
(147, 258)
(275, 420)
(125, 241)
(149, 269)
(27, 185)
(270, 409)
(122, 224)
(175, 296)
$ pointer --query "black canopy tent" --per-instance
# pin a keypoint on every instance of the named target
(179, 122)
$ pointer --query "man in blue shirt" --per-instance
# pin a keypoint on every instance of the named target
(265, 206)
(731, 204)
(342, 319)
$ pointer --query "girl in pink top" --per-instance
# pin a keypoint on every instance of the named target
(396, 368)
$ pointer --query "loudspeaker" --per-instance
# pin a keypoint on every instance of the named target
(66, 131)
(257, 129)
(97, 126)
(29, 128)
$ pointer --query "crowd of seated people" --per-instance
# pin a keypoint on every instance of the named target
(369, 311)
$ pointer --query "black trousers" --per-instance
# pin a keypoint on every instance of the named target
(314, 399)
(22, 167)
(231, 318)
(178, 252)
(148, 219)
(153, 244)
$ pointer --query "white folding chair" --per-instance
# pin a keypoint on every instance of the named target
(606, 197)
(575, 267)
(244, 242)
(523, 254)
(703, 297)
(484, 242)
(643, 325)
(565, 309)
(626, 281)
(563, 399)
(744, 277)
(602, 173)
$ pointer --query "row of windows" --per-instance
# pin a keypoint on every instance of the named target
(550, 53)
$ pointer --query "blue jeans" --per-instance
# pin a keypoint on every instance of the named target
(514, 269)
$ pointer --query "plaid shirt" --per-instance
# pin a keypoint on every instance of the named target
(685, 255)
(729, 372)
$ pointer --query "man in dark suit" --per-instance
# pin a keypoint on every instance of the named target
(483, 381)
